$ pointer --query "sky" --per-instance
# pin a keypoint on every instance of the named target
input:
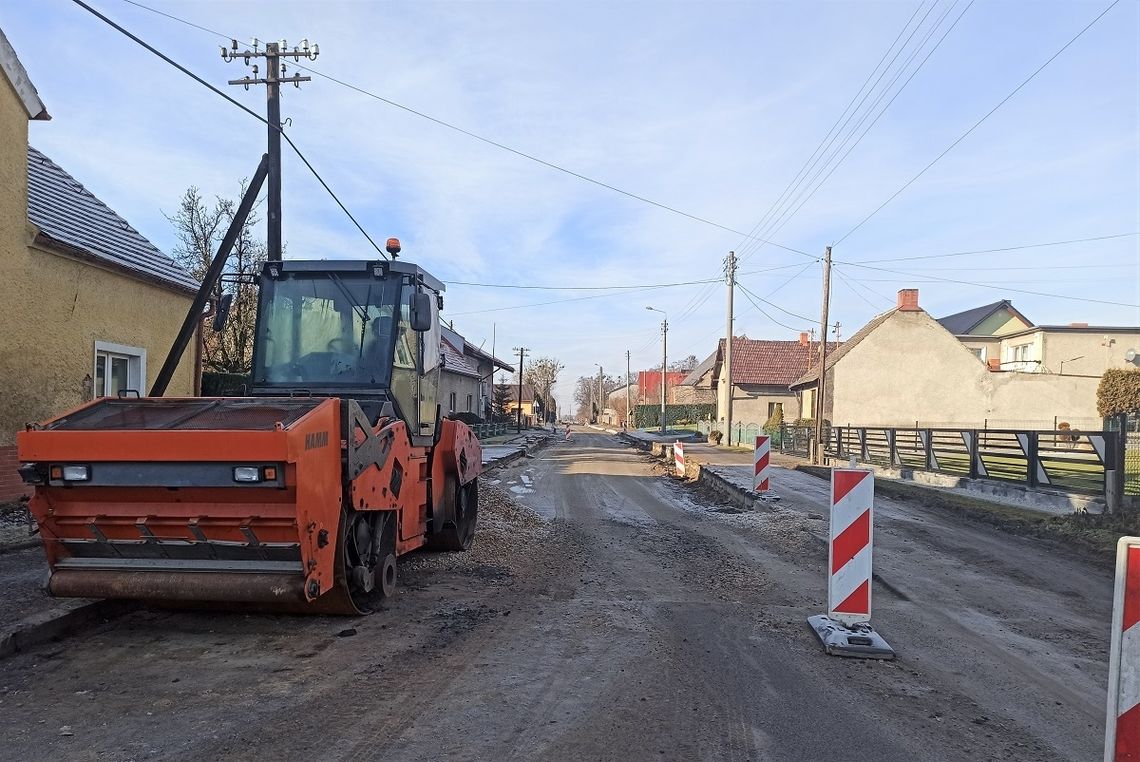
(708, 108)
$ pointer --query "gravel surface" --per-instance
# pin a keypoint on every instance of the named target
(607, 611)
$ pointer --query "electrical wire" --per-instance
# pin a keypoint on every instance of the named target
(978, 123)
(779, 199)
(858, 140)
(994, 251)
(851, 287)
(747, 291)
(244, 108)
(481, 138)
(749, 296)
(991, 286)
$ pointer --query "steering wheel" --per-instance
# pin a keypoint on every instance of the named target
(338, 345)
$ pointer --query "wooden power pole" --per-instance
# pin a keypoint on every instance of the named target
(730, 273)
(821, 384)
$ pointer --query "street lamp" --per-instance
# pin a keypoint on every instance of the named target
(664, 358)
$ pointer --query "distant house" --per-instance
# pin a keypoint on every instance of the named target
(529, 416)
(90, 306)
(699, 386)
(762, 370)
(465, 378)
(904, 367)
(981, 328)
(649, 386)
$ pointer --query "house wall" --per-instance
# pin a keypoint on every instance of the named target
(911, 369)
(54, 309)
(751, 406)
(462, 386)
(1095, 359)
(991, 346)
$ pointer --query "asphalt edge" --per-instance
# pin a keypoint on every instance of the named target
(37, 630)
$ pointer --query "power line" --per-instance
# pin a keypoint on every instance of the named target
(486, 140)
(794, 181)
(249, 111)
(875, 121)
(555, 301)
(990, 286)
(772, 304)
(750, 297)
(995, 251)
(605, 288)
(978, 123)
(851, 286)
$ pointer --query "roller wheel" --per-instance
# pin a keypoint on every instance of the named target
(459, 533)
(370, 557)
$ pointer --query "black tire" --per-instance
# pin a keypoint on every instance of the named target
(459, 533)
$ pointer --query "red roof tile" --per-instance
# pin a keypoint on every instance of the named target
(769, 363)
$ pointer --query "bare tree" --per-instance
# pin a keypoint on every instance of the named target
(200, 227)
(542, 375)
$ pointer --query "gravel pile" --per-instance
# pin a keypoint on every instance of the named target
(505, 536)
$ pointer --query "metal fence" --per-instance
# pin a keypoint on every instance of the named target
(487, 430)
(1064, 459)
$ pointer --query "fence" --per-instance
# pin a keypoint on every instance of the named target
(1064, 459)
(486, 430)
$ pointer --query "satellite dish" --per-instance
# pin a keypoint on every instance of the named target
(1130, 356)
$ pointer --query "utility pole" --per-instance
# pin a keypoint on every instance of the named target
(664, 364)
(601, 394)
(821, 385)
(730, 278)
(837, 327)
(628, 411)
(518, 416)
(275, 76)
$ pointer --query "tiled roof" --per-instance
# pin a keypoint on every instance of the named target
(834, 355)
(527, 392)
(454, 361)
(768, 363)
(961, 323)
(69, 215)
(696, 373)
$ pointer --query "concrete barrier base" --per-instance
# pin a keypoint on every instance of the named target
(857, 642)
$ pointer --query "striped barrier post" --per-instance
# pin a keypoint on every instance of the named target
(761, 455)
(1122, 729)
(846, 628)
(679, 458)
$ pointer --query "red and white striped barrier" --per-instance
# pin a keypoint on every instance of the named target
(760, 459)
(679, 458)
(849, 551)
(846, 628)
(1122, 733)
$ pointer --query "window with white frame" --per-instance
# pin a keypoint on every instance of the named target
(979, 352)
(118, 368)
(1020, 357)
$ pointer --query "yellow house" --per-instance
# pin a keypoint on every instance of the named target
(89, 306)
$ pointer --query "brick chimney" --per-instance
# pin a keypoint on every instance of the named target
(908, 300)
(1078, 325)
(803, 338)
(994, 364)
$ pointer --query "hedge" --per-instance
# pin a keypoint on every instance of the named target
(1118, 392)
(648, 416)
(215, 384)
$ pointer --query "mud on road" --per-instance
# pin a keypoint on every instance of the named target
(606, 612)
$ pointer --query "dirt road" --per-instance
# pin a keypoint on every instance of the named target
(617, 614)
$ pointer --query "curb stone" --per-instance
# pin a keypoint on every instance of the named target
(41, 628)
